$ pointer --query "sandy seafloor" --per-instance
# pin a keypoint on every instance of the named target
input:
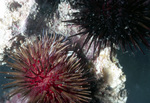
(137, 70)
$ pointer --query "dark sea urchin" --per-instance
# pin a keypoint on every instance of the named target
(123, 23)
(44, 72)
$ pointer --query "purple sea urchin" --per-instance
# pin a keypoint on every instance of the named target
(123, 23)
(44, 72)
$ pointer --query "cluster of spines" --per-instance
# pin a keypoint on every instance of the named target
(43, 72)
(122, 23)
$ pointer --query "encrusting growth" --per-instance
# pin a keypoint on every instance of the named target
(44, 72)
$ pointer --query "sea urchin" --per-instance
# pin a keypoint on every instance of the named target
(123, 23)
(43, 72)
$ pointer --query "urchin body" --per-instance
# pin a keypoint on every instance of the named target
(123, 23)
(43, 72)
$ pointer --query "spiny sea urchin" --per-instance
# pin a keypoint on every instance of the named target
(44, 72)
(123, 23)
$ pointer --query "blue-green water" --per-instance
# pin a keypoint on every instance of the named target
(2, 81)
(137, 70)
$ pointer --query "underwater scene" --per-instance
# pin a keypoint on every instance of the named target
(75, 51)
